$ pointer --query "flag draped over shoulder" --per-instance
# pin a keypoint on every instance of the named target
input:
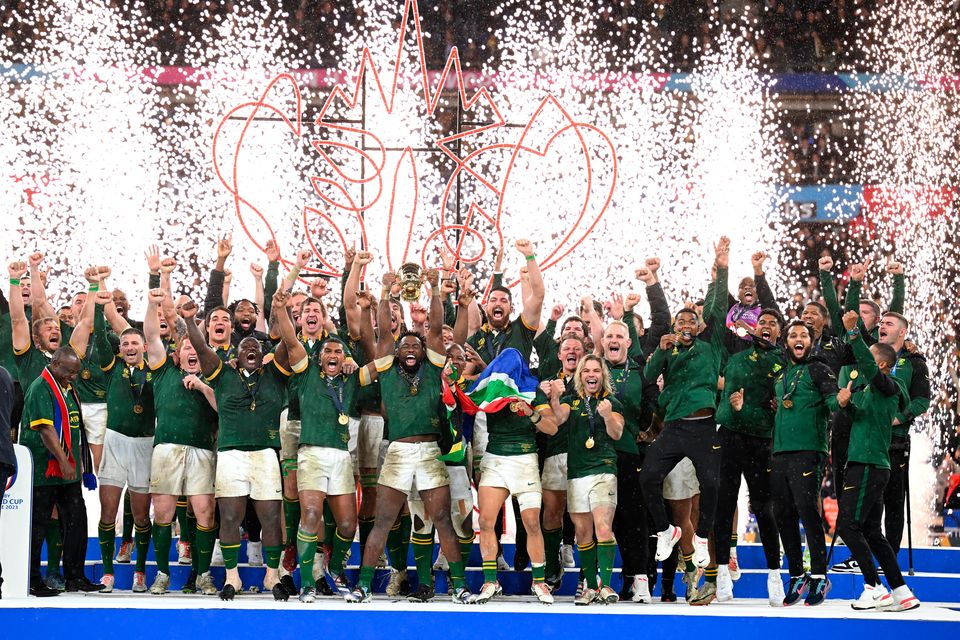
(505, 380)
(61, 425)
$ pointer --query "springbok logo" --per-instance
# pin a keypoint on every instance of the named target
(478, 235)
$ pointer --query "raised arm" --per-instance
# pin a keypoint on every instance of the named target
(19, 326)
(208, 358)
(717, 315)
(257, 272)
(273, 271)
(350, 289)
(83, 331)
(368, 341)
(899, 286)
(532, 290)
(385, 344)
(435, 331)
(659, 309)
(303, 257)
(589, 314)
(104, 300)
(284, 323)
(764, 292)
(38, 290)
(215, 297)
(151, 327)
(462, 328)
(553, 390)
(829, 292)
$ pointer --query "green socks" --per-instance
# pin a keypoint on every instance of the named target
(551, 547)
(398, 543)
(162, 534)
(538, 569)
(230, 554)
(489, 570)
(141, 539)
(271, 556)
(457, 574)
(127, 518)
(466, 548)
(307, 550)
(688, 565)
(291, 519)
(107, 534)
(338, 556)
(183, 519)
(710, 574)
(203, 548)
(423, 556)
(54, 546)
(190, 533)
(366, 577)
(606, 554)
(588, 563)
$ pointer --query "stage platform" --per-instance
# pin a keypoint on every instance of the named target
(177, 616)
(936, 579)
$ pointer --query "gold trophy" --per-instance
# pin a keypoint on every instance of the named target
(409, 276)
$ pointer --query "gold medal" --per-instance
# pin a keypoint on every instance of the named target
(788, 403)
(414, 391)
(138, 409)
(343, 419)
(86, 375)
(854, 374)
(514, 407)
(589, 443)
(253, 406)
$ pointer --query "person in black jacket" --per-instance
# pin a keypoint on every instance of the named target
(8, 461)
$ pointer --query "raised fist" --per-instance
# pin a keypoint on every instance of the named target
(757, 259)
(188, 310)
(895, 268)
(630, 301)
(17, 269)
(825, 263)
(431, 276)
(256, 270)
(557, 312)
(167, 265)
(303, 257)
(850, 319)
(652, 264)
(155, 296)
(363, 257)
(36, 258)
(272, 251)
(605, 408)
(525, 247)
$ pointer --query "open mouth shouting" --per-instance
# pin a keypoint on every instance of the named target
(591, 383)
(331, 366)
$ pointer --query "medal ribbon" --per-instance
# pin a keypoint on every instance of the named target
(251, 389)
(590, 417)
(414, 382)
(337, 397)
(137, 389)
(793, 384)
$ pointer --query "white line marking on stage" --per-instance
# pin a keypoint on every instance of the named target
(836, 609)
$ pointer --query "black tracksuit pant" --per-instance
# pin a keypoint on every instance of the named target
(696, 439)
(861, 508)
(73, 515)
(795, 485)
(748, 456)
(894, 495)
(630, 518)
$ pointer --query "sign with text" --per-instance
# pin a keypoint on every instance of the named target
(16, 511)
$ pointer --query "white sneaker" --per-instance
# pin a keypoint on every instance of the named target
(734, 566)
(542, 591)
(641, 590)
(701, 551)
(216, 560)
(724, 584)
(775, 593)
(183, 553)
(903, 599)
(205, 585)
(566, 556)
(441, 564)
(161, 583)
(873, 598)
(255, 554)
(139, 582)
(502, 563)
(107, 582)
(666, 540)
(488, 591)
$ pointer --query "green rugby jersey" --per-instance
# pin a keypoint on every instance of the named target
(184, 416)
(511, 434)
(320, 423)
(249, 406)
(411, 403)
(38, 413)
(583, 461)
